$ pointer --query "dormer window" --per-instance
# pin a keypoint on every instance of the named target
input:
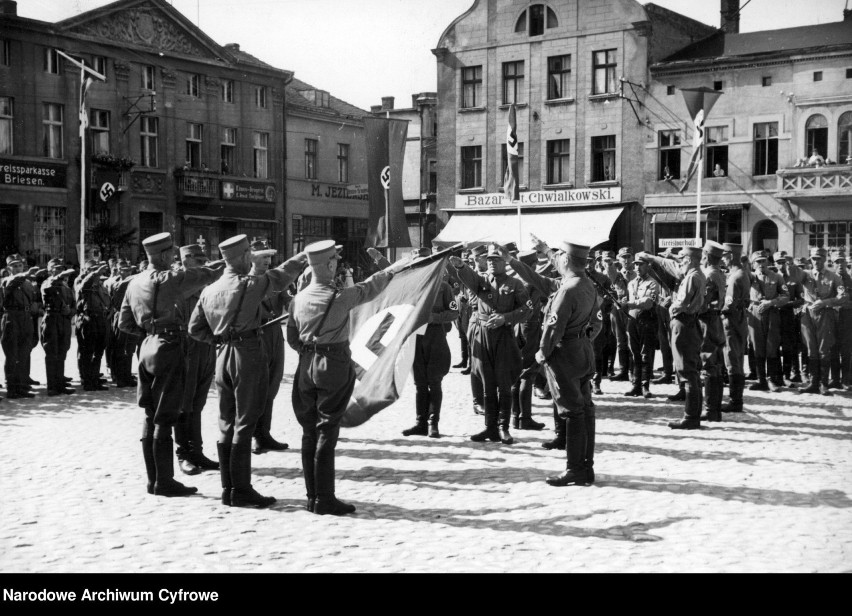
(317, 97)
(540, 17)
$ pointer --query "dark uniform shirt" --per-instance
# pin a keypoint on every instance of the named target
(57, 296)
(569, 312)
(643, 294)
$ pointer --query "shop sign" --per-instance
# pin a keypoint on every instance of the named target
(677, 242)
(353, 191)
(32, 174)
(248, 191)
(569, 196)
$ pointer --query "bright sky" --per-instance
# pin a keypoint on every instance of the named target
(361, 50)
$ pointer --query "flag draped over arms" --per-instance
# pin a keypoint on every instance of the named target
(381, 337)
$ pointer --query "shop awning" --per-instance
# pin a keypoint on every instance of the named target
(589, 227)
(677, 217)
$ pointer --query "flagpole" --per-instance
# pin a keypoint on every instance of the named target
(387, 222)
(698, 195)
(82, 171)
(520, 227)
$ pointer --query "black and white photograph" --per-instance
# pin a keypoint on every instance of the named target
(421, 287)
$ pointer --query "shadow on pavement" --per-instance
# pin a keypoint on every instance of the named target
(81, 402)
(757, 496)
(690, 455)
(553, 526)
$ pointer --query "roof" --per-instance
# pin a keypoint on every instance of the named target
(785, 41)
(335, 105)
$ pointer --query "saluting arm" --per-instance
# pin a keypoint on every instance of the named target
(293, 332)
(544, 284)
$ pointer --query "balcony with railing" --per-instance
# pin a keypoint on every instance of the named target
(826, 181)
(199, 184)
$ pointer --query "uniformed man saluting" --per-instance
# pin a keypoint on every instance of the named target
(16, 326)
(55, 332)
(495, 357)
(154, 304)
(318, 330)
(228, 314)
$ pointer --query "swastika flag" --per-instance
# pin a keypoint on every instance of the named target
(381, 337)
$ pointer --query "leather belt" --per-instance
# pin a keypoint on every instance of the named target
(313, 347)
(240, 336)
(685, 318)
(174, 329)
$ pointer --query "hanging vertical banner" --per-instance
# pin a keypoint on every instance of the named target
(511, 181)
(385, 140)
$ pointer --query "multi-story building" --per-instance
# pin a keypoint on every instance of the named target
(326, 172)
(564, 65)
(420, 171)
(191, 131)
(785, 93)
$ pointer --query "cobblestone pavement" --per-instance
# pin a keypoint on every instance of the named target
(767, 490)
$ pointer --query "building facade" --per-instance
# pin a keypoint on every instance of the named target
(785, 93)
(326, 172)
(564, 65)
(420, 172)
(189, 134)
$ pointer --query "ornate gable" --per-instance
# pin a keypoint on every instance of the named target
(143, 24)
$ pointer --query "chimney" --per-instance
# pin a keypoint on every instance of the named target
(387, 103)
(9, 7)
(731, 16)
(375, 109)
(847, 14)
(232, 46)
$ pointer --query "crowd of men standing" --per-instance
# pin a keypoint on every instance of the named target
(549, 320)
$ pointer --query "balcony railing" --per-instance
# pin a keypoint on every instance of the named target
(814, 181)
(196, 184)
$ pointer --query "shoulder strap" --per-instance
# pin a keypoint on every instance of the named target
(236, 312)
(318, 329)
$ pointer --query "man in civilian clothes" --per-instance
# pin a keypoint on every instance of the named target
(155, 304)
(318, 329)
(271, 308)
(432, 359)
(228, 314)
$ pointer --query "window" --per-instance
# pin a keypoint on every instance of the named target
(505, 164)
(260, 97)
(433, 175)
(718, 85)
(49, 232)
(148, 139)
(513, 82)
(6, 53)
(716, 144)
(228, 149)
(227, 91)
(319, 98)
(194, 134)
(829, 235)
(471, 86)
(99, 129)
(844, 139)
(816, 135)
(311, 159)
(558, 77)
(766, 81)
(670, 90)
(603, 68)
(51, 61)
(343, 162)
(765, 148)
(193, 85)
(51, 120)
(99, 63)
(817, 75)
(148, 78)
(471, 160)
(669, 155)
(603, 158)
(260, 143)
(7, 123)
(537, 20)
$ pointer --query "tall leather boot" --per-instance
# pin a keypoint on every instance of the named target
(590, 448)
(327, 503)
(184, 445)
(164, 461)
(824, 384)
(834, 381)
(575, 437)
(242, 492)
(775, 379)
(736, 392)
(464, 350)
(713, 392)
(421, 409)
(224, 451)
(504, 401)
(309, 452)
(197, 456)
(59, 380)
(516, 405)
(624, 366)
(636, 380)
(814, 369)
(150, 466)
(692, 406)
(491, 432)
(752, 371)
(761, 385)
(525, 400)
(559, 427)
(436, 398)
(478, 395)
(680, 396)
